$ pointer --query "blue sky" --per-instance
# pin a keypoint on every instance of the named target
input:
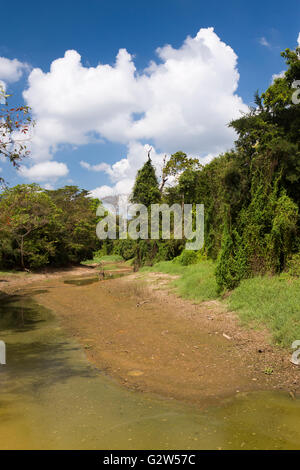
(38, 33)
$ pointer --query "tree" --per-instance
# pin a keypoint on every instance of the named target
(28, 219)
(14, 126)
(262, 223)
(39, 227)
(77, 238)
(146, 190)
(175, 165)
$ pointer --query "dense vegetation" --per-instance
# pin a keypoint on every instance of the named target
(251, 193)
(40, 227)
(251, 196)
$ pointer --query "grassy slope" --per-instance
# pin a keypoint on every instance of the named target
(196, 282)
(105, 258)
(270, 301)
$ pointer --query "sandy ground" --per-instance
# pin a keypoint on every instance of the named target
(150, 340)
(20, 279)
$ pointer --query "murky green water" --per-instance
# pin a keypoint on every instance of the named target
(91, 280)
(82, 282)
(51, 398)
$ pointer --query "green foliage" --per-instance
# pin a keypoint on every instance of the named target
(76, 239)
(187, 257)
(176, 165)
(27, 218)
(195, 282)
(293, 265)
(125, 248)
(146, 190)
(100, 258)
(272, 302)
(262, 195)
(41, 227)
(232, 263)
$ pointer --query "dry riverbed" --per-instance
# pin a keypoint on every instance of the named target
(150, 340)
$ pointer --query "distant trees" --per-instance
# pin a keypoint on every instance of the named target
(28, 221)
(76, 238)
(39, 227)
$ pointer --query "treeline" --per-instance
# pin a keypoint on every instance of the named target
(251, 196)
(251, 193)
(40, 227)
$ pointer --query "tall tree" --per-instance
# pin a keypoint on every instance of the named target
(176, 165)
(146, 189)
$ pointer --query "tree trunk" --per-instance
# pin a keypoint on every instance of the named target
(22, 252)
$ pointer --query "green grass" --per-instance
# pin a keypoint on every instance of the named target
(271, 301)
(12, 272)
(109, 267)
(129, 262)
(103, 259)
(196, 282)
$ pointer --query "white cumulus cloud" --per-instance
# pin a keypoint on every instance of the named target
(182, 101)
(122, 173)
(44, 171)
(11, 70)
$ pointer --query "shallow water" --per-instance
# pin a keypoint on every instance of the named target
(52, 398)
(91, 280)
(82, 282)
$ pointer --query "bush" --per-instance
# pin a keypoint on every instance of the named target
(187, 257)
(293, 265)
(232, 263)
(270, 301)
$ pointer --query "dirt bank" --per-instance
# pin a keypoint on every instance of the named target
(150, 340)
(20, 279)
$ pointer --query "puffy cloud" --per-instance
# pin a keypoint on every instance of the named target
(122, 187)
(11, 70)
(98, 167)
(44, 171)
(123, 172)
(75, 104)
(183, 101)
